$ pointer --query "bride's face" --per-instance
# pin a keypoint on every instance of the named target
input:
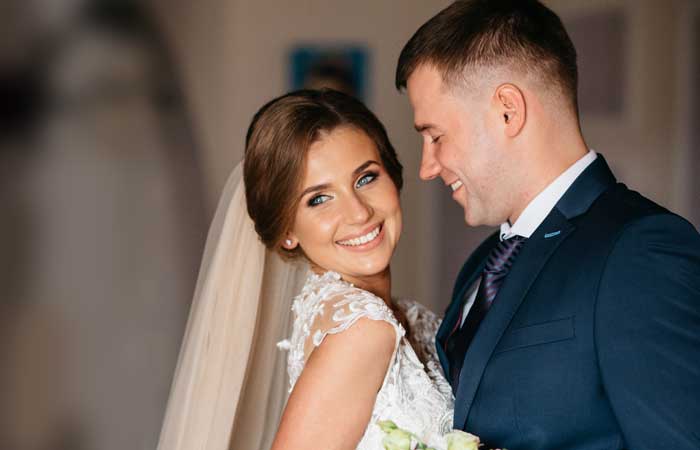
(349, 216)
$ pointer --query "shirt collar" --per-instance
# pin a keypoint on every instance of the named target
(540, 207)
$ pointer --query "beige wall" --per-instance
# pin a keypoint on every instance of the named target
(687, 186)
(646, 145)
(233, 57)
(106, 345)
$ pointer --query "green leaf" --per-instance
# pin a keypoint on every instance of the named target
(387, 425)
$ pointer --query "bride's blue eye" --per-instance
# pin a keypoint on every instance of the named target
(317, 200)
(367, 179)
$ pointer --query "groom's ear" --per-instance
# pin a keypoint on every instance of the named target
(510, 103)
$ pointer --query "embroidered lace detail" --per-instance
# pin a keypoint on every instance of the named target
(424, 326)
(415, 394)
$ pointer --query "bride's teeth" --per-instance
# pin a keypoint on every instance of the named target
(369, 237)
(456, 185)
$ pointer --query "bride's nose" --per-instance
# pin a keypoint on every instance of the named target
(357, 210)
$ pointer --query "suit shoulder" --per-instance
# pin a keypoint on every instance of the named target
(625, 223)
(623, 202)
(620, 208)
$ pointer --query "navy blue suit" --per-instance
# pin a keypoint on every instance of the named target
(593, 341)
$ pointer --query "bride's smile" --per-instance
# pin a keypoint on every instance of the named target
(365, 241)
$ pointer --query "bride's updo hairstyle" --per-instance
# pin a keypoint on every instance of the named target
(277, 143)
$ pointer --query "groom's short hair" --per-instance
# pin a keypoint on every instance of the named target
(523, 35)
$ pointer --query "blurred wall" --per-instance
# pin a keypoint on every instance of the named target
(643, 141)
(102, 227)
(233, 57)
(87, 359)
(633, 60)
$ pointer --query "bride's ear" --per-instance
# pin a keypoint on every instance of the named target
(290, 242)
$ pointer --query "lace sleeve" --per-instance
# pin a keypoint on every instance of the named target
(329, 305)
(344, 309)
(423, 325)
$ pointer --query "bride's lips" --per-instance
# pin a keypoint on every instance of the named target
(366, 246)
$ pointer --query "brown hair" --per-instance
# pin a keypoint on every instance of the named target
(277, 142)
(470, 34)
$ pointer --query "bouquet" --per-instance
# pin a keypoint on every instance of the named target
(399, 439)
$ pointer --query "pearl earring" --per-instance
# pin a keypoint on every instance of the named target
(288, 242)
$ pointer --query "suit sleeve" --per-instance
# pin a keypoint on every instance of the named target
(648, 333)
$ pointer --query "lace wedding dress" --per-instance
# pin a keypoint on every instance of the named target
(414, 394)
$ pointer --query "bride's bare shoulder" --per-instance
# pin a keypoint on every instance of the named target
(332, 401)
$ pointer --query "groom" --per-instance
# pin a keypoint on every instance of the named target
(577, 324)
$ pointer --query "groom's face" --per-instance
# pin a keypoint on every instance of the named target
(459, 145)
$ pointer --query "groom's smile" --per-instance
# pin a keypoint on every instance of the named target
(462, 144)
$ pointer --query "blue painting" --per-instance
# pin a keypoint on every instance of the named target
(340, 67)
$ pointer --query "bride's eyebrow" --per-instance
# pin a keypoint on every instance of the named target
(363, 166)
(321, 187)
(318, 187)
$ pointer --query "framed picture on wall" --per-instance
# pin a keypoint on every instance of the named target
(341, 67)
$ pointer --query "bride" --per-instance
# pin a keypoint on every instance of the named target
(320, 181)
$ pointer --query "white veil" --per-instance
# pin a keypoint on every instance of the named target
(230, 384)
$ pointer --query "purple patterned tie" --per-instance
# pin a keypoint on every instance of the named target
(497, 266)
(498, 263)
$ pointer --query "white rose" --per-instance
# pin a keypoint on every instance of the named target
(459, 440)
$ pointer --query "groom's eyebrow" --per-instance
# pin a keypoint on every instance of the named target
(422, 127)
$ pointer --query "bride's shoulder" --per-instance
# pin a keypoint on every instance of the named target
(331, 305)
(328, 286)
(330, 290)
(415, 312)
(422, 324)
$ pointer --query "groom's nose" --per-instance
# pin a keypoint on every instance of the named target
(429, 166)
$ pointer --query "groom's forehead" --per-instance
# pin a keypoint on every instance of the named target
(425, 80)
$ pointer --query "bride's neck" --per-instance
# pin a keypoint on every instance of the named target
(378, 284)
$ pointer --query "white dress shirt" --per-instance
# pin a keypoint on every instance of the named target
(535, 213)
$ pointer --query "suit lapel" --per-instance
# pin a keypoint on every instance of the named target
(452, 315)
(596, 179)
(533, 256)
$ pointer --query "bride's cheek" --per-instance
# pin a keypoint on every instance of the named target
(324, 226)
